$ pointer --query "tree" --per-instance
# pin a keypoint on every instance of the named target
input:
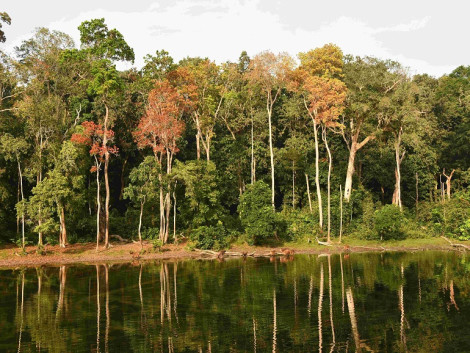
(160, 128)
(5, 18)
(142, 187)
(98, 138)
(14, 149)
(104, 43)
(269, 73)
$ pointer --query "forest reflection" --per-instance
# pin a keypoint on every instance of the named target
(365, 302)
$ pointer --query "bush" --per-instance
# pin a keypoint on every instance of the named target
(389, 223)
(210, 237)
(256, 213)
(301, 225)
(465, 230)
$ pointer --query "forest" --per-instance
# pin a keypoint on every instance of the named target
(268, 149)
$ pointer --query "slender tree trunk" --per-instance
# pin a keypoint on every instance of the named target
(317, 176)
(340, 213)
(63, 235)
(140, 222)
(174, 213)
(398, 159)
(330, 162)
(124, 164)
(98, 204)
(22, 200)
(106, 179)
(308, 193)
(271, 153)
(350, 170)
(162, 211)
(293, 185)
(253, 166)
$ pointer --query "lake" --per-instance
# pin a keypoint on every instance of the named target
(382, 302)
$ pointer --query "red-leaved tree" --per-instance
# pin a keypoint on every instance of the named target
(160, 128)
(95, 136)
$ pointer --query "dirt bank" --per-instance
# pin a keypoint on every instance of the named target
(130, 252)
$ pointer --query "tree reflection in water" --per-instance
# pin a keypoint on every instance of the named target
(241, 305)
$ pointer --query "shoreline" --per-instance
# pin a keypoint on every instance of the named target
(86, 253)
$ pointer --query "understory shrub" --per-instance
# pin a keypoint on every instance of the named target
(256, 213)
(389, 221)
(210, 237)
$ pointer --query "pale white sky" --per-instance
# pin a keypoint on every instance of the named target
(426, 36)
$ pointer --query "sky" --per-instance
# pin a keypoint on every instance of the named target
(425, 36)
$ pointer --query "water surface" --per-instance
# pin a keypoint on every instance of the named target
(387, 302)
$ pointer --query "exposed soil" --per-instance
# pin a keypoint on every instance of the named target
(10, 256)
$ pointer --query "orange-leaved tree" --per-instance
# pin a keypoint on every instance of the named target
(160, 128)
(98, 138)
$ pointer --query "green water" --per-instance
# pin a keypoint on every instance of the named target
(343, 303)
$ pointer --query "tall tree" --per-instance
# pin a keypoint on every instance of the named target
(270, 73)
(160, 128)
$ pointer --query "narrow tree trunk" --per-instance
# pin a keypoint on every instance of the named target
(317, 176)
(340, 213)
(253, 167)
(330, 162)
(63, 228)
(271, 154)
(22, 201)
(124, 164)
(140, 222)
(174, 214)
(293, 185)
(98, 204)
(398, 159)
(308, 193)
(106, 179)
(350, 171)
(162, 211)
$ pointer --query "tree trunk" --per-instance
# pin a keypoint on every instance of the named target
(124, 164)
(106, 179)
(22, 200)
(448, 181)
(140, 222)
(271, 154)
(162, 211)
(330, 162)
(98, 204)
(253, 166)
(355, 146)
(308, 193)
(174, 214)
(340, 213)
(63, 230)
(293, 185)
(317, 176)
(398, 159)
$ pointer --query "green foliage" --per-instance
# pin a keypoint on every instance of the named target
(210, 237)
(389, 223)
(256, 213)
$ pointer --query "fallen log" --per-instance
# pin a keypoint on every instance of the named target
(455, 245)
(323, 242)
